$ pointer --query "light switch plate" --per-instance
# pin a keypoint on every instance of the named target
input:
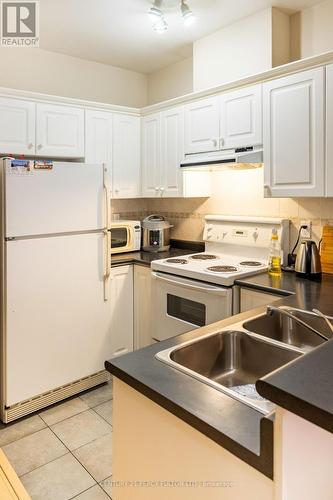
(306, 233)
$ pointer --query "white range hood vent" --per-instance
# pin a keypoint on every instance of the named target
(240, 158)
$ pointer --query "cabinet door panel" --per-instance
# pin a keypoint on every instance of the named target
(98, 137)
(151, 155)
(294, 135)
(142, 307)
(329, 130)
(126, 156)
(60, 131)
(121, 310)
(172, 150)
(17, 126)
(241, 118)
(202, 126)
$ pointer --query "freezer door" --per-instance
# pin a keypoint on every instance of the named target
(68, 198)
(58, 324)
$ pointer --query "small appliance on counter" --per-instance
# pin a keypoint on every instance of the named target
(155, 234)
(125, 236)
(308, 263)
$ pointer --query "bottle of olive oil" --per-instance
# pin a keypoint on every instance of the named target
(274, 260)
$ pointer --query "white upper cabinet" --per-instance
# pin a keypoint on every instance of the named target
(202, 126)
(151, 157)
(98, 137)
(126, 156)
(60, 131)
(294, 135)
(172, 151)
(17, 126)
(329, 130)
(241, 118)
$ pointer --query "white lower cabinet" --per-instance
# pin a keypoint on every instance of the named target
(121, 301)
(294, 121)
(142, 307)
(250, 299)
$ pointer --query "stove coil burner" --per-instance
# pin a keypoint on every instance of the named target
(223, 269)
(250, 263)
(203, 256)
(177, 261)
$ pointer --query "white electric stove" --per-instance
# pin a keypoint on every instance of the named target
(197, 289)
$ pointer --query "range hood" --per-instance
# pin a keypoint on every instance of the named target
(240, 158)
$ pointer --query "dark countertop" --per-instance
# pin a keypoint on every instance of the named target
(178, 248)
(303, 387)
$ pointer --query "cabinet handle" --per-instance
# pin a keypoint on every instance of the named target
(162, 191)
(39, 146)
(214, 142)
(267, 190)
(221, 142)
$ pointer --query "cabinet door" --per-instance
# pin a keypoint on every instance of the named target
(202, 126)
(121, 298)
(241, 118)
(126, 156)
(329, 130)
(142, 307)
(151, 156)
(98, 143)
(60, 131)
(172, 151)
(17, 126)
(250, 299)
(294, 135)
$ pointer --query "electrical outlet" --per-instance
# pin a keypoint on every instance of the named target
(306, 233)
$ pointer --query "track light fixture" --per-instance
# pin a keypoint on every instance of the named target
(156, 15)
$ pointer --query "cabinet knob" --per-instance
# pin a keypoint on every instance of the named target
(214, 142)
(30, 146)
(39, 146)
(221, 142)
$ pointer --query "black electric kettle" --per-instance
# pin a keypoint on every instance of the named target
(308, 263)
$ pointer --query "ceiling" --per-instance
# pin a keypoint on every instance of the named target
(119, 33)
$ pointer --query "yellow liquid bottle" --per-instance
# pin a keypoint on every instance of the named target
(274, 261)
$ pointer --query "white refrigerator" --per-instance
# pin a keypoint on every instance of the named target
(55, 269)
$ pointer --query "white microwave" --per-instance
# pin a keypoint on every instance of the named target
(125, 236)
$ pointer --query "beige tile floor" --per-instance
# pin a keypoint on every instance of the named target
(65, 452)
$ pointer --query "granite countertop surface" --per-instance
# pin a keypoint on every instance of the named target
(304, 386)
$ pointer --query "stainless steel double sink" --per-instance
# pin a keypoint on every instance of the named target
(233, 359)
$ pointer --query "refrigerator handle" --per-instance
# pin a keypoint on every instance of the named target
(107, 233)
(107, 259)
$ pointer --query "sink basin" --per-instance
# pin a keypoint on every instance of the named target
(231, 361)
(282, 329)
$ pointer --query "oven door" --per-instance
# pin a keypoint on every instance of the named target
(121, 238)
(181, 304)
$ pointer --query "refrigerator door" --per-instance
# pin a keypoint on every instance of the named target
(58, 323)
(69, 198)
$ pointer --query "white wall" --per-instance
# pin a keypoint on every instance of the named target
(233, 52)
(47, 72)
(312, 31)
(173, 81)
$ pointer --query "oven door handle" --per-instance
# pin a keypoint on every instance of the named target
(210, 289)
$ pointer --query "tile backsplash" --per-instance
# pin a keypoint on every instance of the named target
(234, 193)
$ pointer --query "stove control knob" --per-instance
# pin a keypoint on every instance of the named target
(255, 235)
(224, 234)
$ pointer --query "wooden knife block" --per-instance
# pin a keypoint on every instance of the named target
(326, 255)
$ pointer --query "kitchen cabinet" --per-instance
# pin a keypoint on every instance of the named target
(59, 131)
(241, 118)
(142, 307)
(17, 126)
(11, 487)
(329, 130)
(121, 302)
(293, 119)
(126, 156)
(202, 126)
(98, 139)
(162, 153)
(151, 155)
(250, 299)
